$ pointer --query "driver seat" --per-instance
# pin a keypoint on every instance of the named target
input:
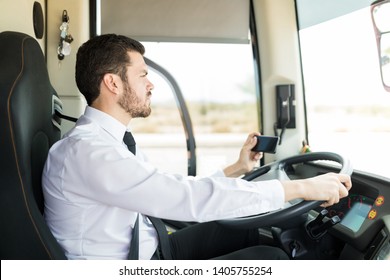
(28, 129)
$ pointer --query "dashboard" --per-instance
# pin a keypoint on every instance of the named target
(354, 210)
(364, 214)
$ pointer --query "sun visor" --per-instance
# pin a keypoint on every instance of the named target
(217, 21)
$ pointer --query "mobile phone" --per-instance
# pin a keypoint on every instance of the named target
(266, 144)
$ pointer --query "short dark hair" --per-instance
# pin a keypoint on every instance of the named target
(101, 55)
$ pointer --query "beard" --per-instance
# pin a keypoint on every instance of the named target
(132, 104)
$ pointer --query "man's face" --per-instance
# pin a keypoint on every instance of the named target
(135, 99)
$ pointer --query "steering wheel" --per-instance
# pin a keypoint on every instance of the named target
(293, 208)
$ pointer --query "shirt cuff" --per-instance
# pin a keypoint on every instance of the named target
(218, 173)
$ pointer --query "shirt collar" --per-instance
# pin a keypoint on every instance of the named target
(107, 122)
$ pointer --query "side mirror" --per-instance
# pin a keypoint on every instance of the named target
(380, 14)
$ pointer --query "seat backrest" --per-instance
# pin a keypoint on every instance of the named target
(27, 131)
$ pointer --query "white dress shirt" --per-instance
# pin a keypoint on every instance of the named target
(94, 187)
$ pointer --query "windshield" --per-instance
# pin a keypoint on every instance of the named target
(348, 109)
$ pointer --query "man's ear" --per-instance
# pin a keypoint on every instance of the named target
(111, 82)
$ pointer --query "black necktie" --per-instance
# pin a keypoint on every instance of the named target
(163, 247)
(129, 141)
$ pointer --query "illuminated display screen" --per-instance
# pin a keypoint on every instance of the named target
(352, 210)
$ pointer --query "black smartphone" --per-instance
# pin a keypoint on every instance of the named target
(266, 144)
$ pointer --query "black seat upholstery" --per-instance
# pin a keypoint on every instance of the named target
(27, 131)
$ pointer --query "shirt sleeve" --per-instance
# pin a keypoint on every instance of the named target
(115, 177)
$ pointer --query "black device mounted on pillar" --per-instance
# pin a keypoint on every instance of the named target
(285, 109)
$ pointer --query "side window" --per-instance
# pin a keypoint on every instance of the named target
(215, 73)
(218, 84)
(347, 105)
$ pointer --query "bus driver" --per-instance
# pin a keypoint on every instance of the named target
(97, 191)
